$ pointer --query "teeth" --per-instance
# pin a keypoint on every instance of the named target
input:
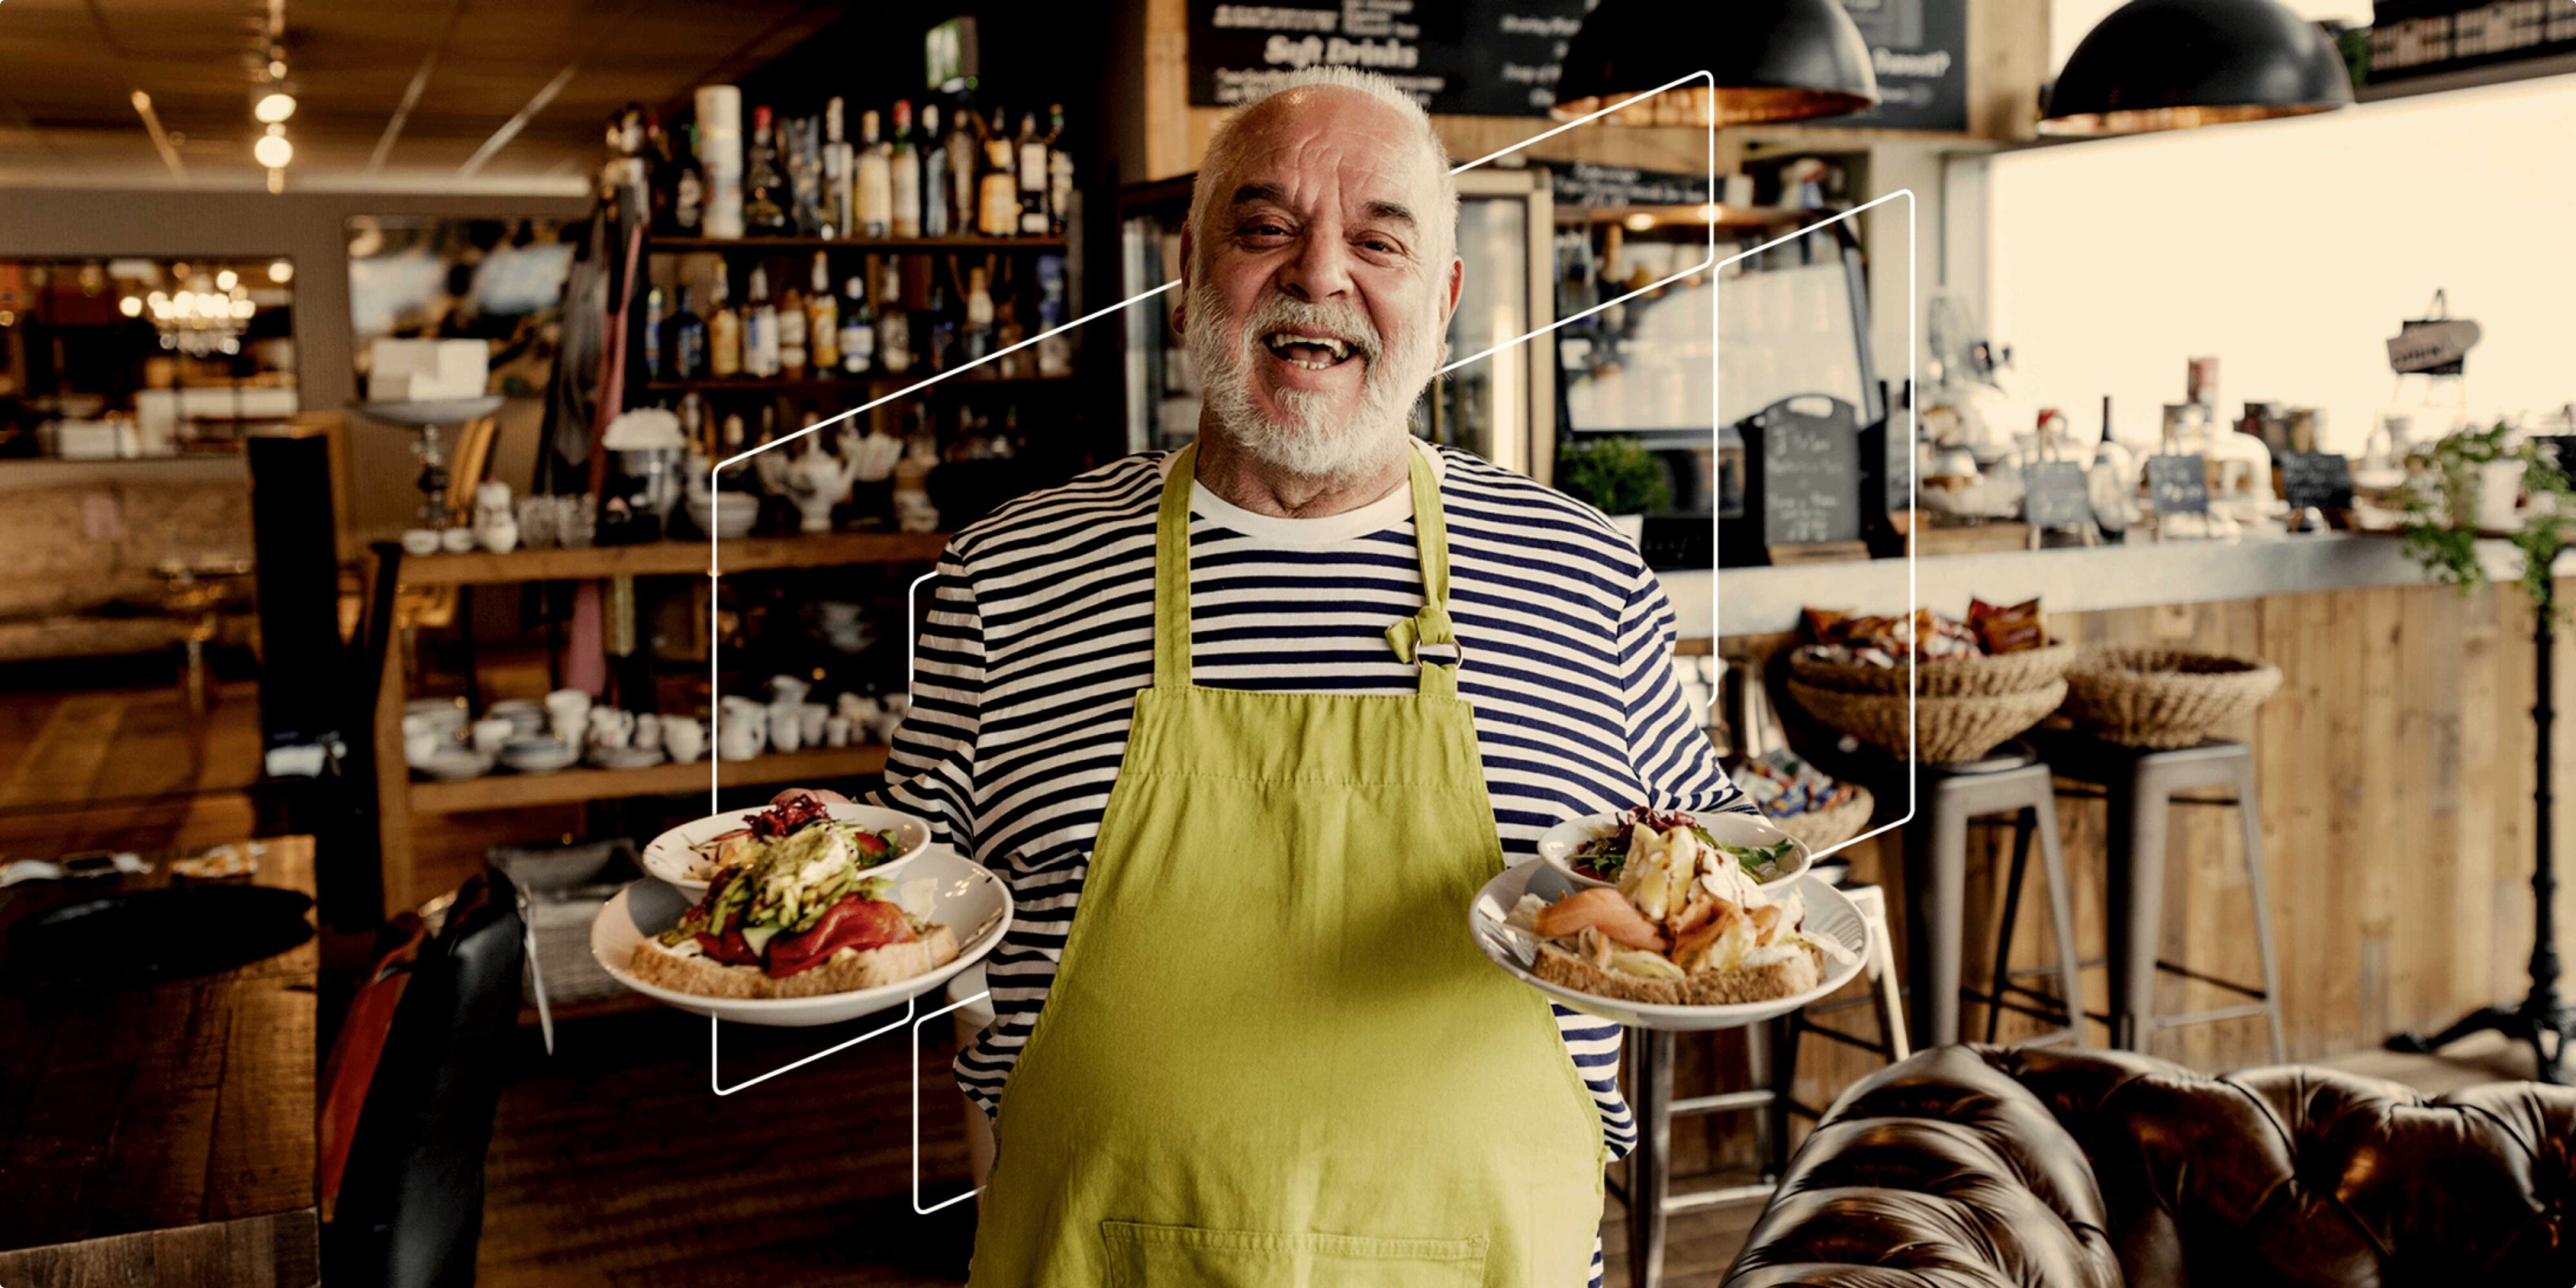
(1338, 349)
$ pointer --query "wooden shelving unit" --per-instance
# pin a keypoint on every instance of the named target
(871, 245)
(399, 800)
(565, 787)
(670, 558)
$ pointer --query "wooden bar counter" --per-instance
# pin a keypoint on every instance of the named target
(2395, 767)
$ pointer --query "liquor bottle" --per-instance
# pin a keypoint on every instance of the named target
(1055, 353)
(965, 161)
(763, 213)
(1059, 172)
(804, 152)
(759, 328)
(873, 181)
(997, 190)
(653, 334)
(688, 347)
(661, 177)
(934, 174)
(823, 320)
(724, 332)
(791, 335)
(689, 191)
(894, 325)
(836, 174)
(858, 331)
(975, 341)
(1033, 178)
(904, 179)
(940, 351)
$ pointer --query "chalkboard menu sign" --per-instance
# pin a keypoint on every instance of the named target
(2053, 495)
(1469, 57)
(2316, 480)
(2410, 38)
(1808, 484)
(2178, 484)
(1592, 187)
(1919, 48)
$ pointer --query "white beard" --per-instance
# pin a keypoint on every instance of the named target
(1308, 443)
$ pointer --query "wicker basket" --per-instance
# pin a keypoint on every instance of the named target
(1825, 828)
(2164, 698)
(1948, 677)
(1948, 729)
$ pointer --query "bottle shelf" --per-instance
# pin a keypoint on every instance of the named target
(871, 385)
(917, 245)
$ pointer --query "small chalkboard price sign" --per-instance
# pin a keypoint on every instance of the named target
(1808, 487)
(2178, 484)
(2053, 497)
(2316, 480)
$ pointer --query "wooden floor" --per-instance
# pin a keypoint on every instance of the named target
(127, 767)
(612, 1163)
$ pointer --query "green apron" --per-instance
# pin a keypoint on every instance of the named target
(1272, 1056)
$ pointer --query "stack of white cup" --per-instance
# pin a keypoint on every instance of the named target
(720, 156)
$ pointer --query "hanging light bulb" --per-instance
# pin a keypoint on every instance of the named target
(273, 150)
(130, 306)
(275, 107)
(226, 280)
(282, 272)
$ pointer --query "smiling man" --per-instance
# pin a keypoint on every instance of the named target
(1246, 726)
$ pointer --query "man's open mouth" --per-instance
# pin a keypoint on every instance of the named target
(1313, 352)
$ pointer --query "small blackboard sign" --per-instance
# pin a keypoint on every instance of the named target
(2178, 484)
(1809, 487)
(2316, 480)
(2053, 495)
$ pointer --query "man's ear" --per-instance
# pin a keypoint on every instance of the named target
(1181, 303)
(1449, 298)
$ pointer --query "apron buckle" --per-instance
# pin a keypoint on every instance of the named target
(1449, 653)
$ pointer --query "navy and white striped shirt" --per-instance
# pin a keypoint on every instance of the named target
(1041, 633)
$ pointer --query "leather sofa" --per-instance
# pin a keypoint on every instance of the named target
(1970, 1166)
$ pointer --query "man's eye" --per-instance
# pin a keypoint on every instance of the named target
(1264, 230)
(1378, 244)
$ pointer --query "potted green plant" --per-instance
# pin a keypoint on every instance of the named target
(1616, 476)
(2463, 488)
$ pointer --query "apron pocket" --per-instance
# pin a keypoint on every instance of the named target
(1183, 1256)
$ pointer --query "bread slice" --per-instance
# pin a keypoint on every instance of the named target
(846, 971)
(1770, 982)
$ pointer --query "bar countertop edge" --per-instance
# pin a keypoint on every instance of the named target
(1755, 601)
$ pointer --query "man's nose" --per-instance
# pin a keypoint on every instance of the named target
(1320, 270)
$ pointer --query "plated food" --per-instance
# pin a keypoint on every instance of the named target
(938, 888)
(1595, 850)
(792, 912)
(691, 855)
(1686, 922)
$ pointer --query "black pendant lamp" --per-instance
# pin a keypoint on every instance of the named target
(1774, 60)
(2181, 64)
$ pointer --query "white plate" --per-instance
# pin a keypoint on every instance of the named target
(971, 902)
(1557, 847)
(1829, 913)
(671, 858)
(625, 757)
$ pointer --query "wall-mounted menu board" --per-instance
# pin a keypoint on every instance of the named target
(1467, 57)
(1919, 48)
(2410, 38)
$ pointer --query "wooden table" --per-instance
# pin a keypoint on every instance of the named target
(162, 1135)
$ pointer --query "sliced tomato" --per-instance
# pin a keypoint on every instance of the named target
(869, 845)
(854, 922)
(729, 948)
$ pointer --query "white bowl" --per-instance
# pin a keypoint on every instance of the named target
(455, 765)
(1557, 847)
(625, 757)
(1830, 913)
(539, 755)
(971, 902)
(670, 858)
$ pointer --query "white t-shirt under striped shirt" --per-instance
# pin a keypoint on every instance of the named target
(1040, 634)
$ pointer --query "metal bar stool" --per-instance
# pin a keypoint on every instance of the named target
(2140, 787)
(2011, 780)
(1773, 1047)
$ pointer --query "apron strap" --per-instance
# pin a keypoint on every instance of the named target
(1172, 574)
(1427, 638)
